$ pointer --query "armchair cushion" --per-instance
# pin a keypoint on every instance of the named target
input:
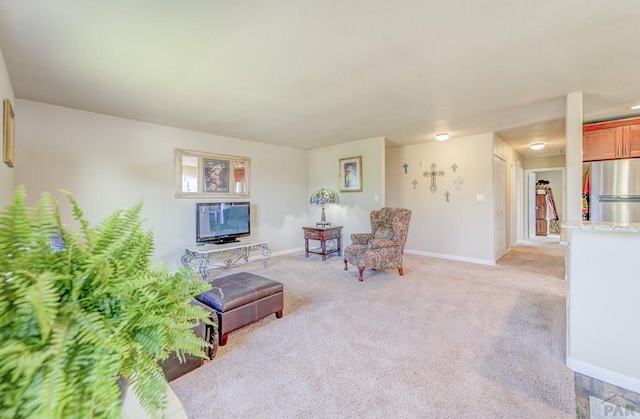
(383, 243)
(383, 233)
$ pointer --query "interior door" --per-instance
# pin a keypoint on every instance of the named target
(542, 227)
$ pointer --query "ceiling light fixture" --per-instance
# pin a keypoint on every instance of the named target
(635, 107)
(443, 136)
(537, 146)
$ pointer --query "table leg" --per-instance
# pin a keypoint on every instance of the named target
(306, 247)
(339, 246)
(203, 266)
(266, 252)
(323, 245)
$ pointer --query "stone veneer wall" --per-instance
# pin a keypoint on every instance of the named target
(613, 401)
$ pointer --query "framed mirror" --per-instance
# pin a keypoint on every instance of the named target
(199, 174)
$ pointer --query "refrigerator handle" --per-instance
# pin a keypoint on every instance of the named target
(619, 198)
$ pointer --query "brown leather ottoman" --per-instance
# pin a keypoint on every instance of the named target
(173, 367)
(240, 299)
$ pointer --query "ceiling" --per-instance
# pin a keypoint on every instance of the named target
(311, 74)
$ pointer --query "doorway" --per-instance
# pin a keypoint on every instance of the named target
(552, 178)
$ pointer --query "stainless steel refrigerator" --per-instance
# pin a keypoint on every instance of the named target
(615, 191)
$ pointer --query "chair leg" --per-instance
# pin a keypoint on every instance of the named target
(401, 271)
(345, 265)
(360, 271)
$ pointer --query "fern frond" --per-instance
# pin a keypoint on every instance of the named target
(78, 215)
(40, 300)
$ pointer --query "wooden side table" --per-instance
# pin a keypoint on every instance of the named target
(323, 234)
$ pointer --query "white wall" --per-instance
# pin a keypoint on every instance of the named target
(544, 162)
(6, 173)
(355, 207)
(461, 228)
(110, 163)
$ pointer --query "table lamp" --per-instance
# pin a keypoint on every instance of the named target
(323, 197)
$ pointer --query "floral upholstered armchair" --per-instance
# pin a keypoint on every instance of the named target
(384, 246)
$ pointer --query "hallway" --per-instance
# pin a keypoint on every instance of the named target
(541, 255)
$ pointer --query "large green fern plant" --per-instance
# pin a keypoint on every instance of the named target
(76, 319)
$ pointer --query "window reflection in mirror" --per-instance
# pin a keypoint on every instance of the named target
(189, 174)
(239, 176)
(200, 174)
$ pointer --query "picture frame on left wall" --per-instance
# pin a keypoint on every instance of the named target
(9, 134)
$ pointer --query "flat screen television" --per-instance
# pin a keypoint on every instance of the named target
(222, 222)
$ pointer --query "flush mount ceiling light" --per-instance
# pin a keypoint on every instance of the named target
(537, 146)
(443, 136)
(636, 107)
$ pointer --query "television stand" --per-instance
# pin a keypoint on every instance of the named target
(198, 257)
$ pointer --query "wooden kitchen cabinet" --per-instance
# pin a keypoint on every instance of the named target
(634, 140)
(600, 144)
(611, 140)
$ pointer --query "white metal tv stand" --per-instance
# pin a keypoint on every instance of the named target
(197, 257)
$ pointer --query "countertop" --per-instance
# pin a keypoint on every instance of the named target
(597, 226)
(602, 226)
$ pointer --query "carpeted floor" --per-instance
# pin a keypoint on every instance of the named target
(446, 340)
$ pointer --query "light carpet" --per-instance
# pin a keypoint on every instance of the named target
(446, 340)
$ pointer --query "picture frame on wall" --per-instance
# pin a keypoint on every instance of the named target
(351, 174)
(8, 134)
(200, 174)
(216, 175)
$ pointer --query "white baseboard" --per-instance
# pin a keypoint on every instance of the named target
(451, 257)
(280, 253)
(412, 252)
(599, 373)
(257, 256)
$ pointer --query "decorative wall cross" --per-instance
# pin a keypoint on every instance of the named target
(414, 183)
(458, 181)
(446, 196)
(405, 168)
(454, 167)
(433, 173)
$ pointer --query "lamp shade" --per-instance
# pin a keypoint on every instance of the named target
(323, 196)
